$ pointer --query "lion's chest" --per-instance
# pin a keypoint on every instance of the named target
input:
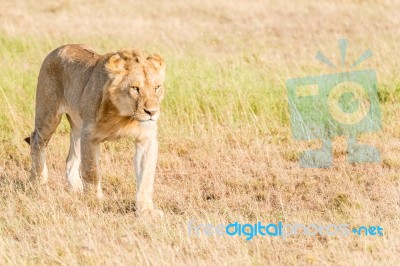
(116, 128)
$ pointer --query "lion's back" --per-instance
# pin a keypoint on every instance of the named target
(65, 72)
(72, 64)
(77, 54)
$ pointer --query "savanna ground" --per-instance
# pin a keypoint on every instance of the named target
(226, 150)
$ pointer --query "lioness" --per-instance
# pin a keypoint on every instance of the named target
(104, 97)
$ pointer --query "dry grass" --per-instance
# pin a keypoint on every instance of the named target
(226, 148)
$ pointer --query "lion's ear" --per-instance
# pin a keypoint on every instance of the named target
(157, 62)
(116, 65)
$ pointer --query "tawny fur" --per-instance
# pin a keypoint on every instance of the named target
(104, 97)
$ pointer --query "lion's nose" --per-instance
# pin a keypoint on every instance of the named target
(150, 112)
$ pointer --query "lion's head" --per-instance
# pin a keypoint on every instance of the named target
(137, 86)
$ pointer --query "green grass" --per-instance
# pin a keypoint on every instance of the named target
(201, 93)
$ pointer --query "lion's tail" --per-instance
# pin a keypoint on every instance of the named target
(28, 140)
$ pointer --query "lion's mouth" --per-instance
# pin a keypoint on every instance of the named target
(142, 119)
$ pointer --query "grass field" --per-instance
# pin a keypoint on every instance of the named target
(226, 149)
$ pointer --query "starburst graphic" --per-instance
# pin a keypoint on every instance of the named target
(343, 48)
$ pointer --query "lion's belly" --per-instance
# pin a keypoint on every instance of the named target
(73, 115)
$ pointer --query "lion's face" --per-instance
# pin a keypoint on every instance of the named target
(138, 84)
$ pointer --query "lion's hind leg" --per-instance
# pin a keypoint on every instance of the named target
(48, 112)
(44, 129)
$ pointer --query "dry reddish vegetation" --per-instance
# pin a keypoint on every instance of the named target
(226, 149)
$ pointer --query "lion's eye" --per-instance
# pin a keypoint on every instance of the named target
(157, 88)
(135, 89)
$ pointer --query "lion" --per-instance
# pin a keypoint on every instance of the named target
(104, 97)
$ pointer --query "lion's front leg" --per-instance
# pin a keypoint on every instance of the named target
(90, 150)
(145, 163)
